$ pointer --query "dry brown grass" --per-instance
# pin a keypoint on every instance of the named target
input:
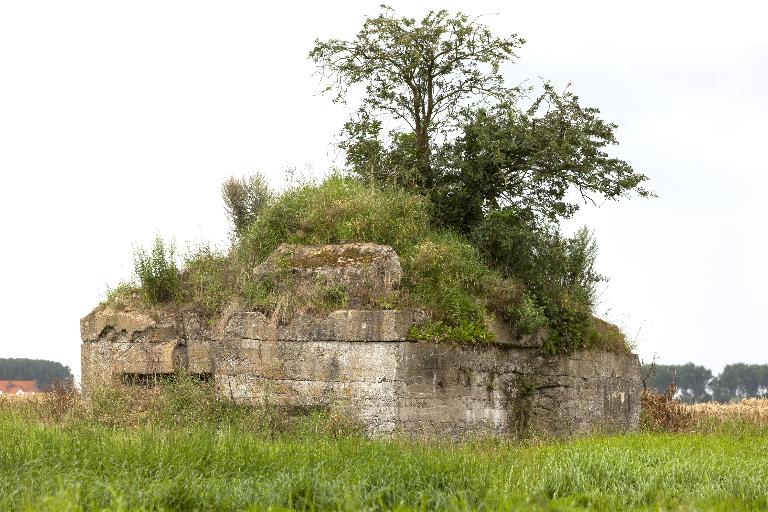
(750, 410)
(661, 412)
(15, 400)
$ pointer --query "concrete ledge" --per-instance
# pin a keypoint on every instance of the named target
(342, 325)
(97, 321)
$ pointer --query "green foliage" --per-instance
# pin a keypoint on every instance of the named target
(531, 278)
(43, 371)
(207, 281)
(569, 327)
(334, 297)
(739, 381)
(259, 295)
(418, 72)
(530, 160)
(503, 174)
(547, 262)
(121, 296)
(445, 274)
(338, 210)
(244, 198)
(528, 316)
(195, 453)
(388, 301)
(510, 301)
(395, 163)
(467, 188)
(558, 273)
(602, 335)
(463, 332)
(157, 273)
(437, 79)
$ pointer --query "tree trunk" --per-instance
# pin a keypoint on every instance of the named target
(423, 163)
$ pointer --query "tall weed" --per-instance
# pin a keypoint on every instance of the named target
(157, 272)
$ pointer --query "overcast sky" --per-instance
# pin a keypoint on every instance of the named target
(120, 120)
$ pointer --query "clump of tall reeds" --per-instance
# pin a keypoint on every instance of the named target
(661, 412)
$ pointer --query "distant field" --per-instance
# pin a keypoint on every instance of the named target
(183, 461)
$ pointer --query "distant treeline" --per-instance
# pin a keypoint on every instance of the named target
(697, 384)
(44, 372)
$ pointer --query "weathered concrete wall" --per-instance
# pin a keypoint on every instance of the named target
(121, 343)
(359, 361)
(427, 388)
(493, 389)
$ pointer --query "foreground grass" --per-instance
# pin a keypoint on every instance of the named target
(85, 465)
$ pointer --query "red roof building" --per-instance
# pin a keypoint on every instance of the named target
(16, 387)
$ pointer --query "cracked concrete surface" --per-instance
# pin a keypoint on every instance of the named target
(372, 374)
(359, 361)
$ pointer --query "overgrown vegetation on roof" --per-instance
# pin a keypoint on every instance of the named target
(463, 282)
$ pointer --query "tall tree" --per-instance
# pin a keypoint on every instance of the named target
(463, 135)
(419, 72)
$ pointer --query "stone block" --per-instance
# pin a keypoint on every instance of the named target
(102, 319)
(143, 358)
(199, 356)
(364, 270)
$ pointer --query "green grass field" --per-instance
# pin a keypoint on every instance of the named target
(87, 465)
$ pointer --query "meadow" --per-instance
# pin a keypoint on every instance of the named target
(178, 449)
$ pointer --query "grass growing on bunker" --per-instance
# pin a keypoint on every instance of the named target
(444, 273)
(175, 447)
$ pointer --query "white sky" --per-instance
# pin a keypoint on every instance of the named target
(120, 120)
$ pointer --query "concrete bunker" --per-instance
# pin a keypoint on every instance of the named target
(359, 361)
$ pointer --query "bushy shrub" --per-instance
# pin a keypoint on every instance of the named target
(508, 299)
(244, 198)
(558, 273)
(549, 263)
(157, 272)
